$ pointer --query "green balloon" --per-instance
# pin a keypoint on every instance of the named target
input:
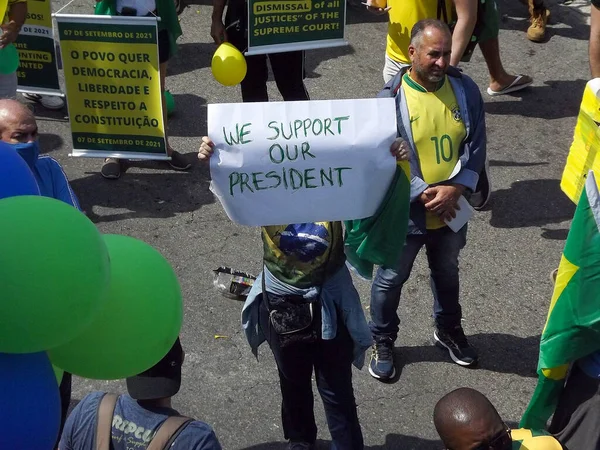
(138, 323)
(54, 272)
(9, 59)
(58, 373)
(170, 102)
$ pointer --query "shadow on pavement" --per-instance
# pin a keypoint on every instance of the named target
(392, 442)
(530, 203)
(191, 56)
(544, 102)
(143, 195)
(49, 142)
(192, 123)
(315, 57)
(515, 16)
(499, 163)
(498, 352)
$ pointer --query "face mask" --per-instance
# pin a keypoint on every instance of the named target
(28, 151)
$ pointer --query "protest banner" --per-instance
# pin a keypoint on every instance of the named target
(293, 162)
(113, 85)
(584, 154)
(288, 25)
(38, 70)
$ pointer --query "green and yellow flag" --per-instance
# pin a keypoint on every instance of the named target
(378, 240)
(572, 328)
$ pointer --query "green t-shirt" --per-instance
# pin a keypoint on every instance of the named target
(302, 255)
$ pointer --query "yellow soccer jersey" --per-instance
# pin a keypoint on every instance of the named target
(404, 14)
(438, 131)
(533, 440)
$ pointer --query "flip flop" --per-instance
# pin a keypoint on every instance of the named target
(512, 87)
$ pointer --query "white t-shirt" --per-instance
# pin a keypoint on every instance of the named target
(143, 7)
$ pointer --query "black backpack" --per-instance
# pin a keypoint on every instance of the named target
(442, 14)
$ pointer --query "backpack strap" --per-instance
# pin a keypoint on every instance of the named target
(104, 417)
(168, 432)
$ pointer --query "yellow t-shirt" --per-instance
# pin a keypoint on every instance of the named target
(403, 15)
(437, 130)
(10, 3)
(533, 440)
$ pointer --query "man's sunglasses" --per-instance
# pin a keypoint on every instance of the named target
(501, 441)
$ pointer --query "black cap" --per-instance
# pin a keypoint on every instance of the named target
(160, 381)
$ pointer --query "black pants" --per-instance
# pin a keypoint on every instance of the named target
(332, 363)
(65, 400)
(288, 67)
(576, 421)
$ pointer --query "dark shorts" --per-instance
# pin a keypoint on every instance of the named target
(164, 47)
(491, 22)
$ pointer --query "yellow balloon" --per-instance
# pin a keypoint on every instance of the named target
(228, 65)
(3, 5)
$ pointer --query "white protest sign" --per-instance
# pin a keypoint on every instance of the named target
(294, 162)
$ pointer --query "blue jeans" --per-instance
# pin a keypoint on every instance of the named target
(332, 363)
(442, 246)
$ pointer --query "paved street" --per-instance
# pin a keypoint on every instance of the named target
(512, 246)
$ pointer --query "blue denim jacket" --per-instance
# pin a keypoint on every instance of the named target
(337, 294)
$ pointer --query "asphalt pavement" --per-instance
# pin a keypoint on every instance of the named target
(512, 246)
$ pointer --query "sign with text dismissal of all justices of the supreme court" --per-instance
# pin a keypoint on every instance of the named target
(38, 70)
(113, 85)
(293, 162)
(287, 25)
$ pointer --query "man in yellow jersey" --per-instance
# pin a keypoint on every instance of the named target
(441, 117)
(466, 420)
(463, 14)
(10, 26)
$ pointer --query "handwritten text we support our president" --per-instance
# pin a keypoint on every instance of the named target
(291, 162)
(291, 142)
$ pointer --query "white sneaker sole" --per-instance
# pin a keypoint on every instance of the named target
(454, 358)
(382, 378)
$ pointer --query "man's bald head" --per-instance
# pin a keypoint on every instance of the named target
(17, 123)
(464, 418)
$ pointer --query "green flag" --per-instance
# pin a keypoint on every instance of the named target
(572, 328)
(379, 239)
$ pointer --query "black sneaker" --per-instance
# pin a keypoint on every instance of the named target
(178, 162)
(382, 360)
(483, 191)
(455, 341)
(111, 169)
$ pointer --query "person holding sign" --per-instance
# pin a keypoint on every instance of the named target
(13, 20)
(441, 116)
(169, 31)
(295, 305)
(288, 67)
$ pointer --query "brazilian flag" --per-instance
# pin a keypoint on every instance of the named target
(379, 239)
(572, 328)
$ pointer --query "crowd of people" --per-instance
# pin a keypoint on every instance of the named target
(304, 304)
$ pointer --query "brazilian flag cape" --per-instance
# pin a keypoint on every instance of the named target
(378, 240)
(572, 328)
(165, 9)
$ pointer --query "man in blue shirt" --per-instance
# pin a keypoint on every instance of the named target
(142, 419)
(19, 129)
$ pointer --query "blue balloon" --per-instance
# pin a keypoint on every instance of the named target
(15, 176)
(30, 402)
